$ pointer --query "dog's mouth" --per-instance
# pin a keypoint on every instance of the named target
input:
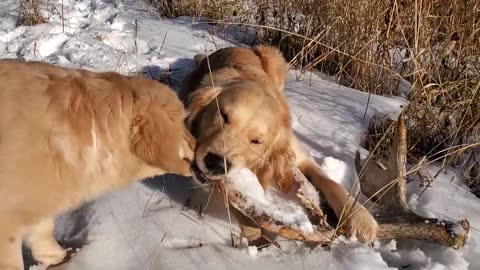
(203, 177)
(199, 174)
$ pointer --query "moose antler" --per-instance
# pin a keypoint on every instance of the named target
(395, 218)
(387, 188)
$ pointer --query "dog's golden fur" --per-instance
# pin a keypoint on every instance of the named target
(249, 97)
(241, 89)
(67, 136)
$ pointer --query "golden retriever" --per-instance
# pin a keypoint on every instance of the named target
(240, 118)
(67, 136)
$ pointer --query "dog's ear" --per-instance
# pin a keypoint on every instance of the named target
(199, 58)
(198, 100)
(161, 140)
(273, 63)
(144, 134)
(278, 164)
(192, 79)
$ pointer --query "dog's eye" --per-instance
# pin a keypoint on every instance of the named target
(224, 117)
(255, 141)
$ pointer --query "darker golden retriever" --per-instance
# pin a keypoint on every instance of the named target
(240, 118)
(67, 136)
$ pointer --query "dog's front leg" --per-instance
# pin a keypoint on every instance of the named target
(353, 217)
(45, 248)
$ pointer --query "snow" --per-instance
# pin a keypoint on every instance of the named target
(252, 251)
(37, 267)
(285, 208)
(245, 181)
(155, 224)
(335, 169)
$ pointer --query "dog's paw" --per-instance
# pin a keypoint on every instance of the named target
(361, 224)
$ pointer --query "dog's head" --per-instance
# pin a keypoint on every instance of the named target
(158, 134)
(243, 123)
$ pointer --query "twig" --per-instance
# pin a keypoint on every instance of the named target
(192, 219)
(163, 43)
(63, 21)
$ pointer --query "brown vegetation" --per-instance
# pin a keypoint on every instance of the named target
(29, 13)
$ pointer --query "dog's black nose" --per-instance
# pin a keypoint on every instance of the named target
(216, 164)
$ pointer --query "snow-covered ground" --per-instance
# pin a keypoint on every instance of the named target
(156, 224)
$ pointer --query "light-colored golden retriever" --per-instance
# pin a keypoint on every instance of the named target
(240, 118)
(67, 136)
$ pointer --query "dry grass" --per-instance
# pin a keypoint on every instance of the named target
(29, 13)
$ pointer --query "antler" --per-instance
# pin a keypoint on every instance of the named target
(387, 188)
(395, 218)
